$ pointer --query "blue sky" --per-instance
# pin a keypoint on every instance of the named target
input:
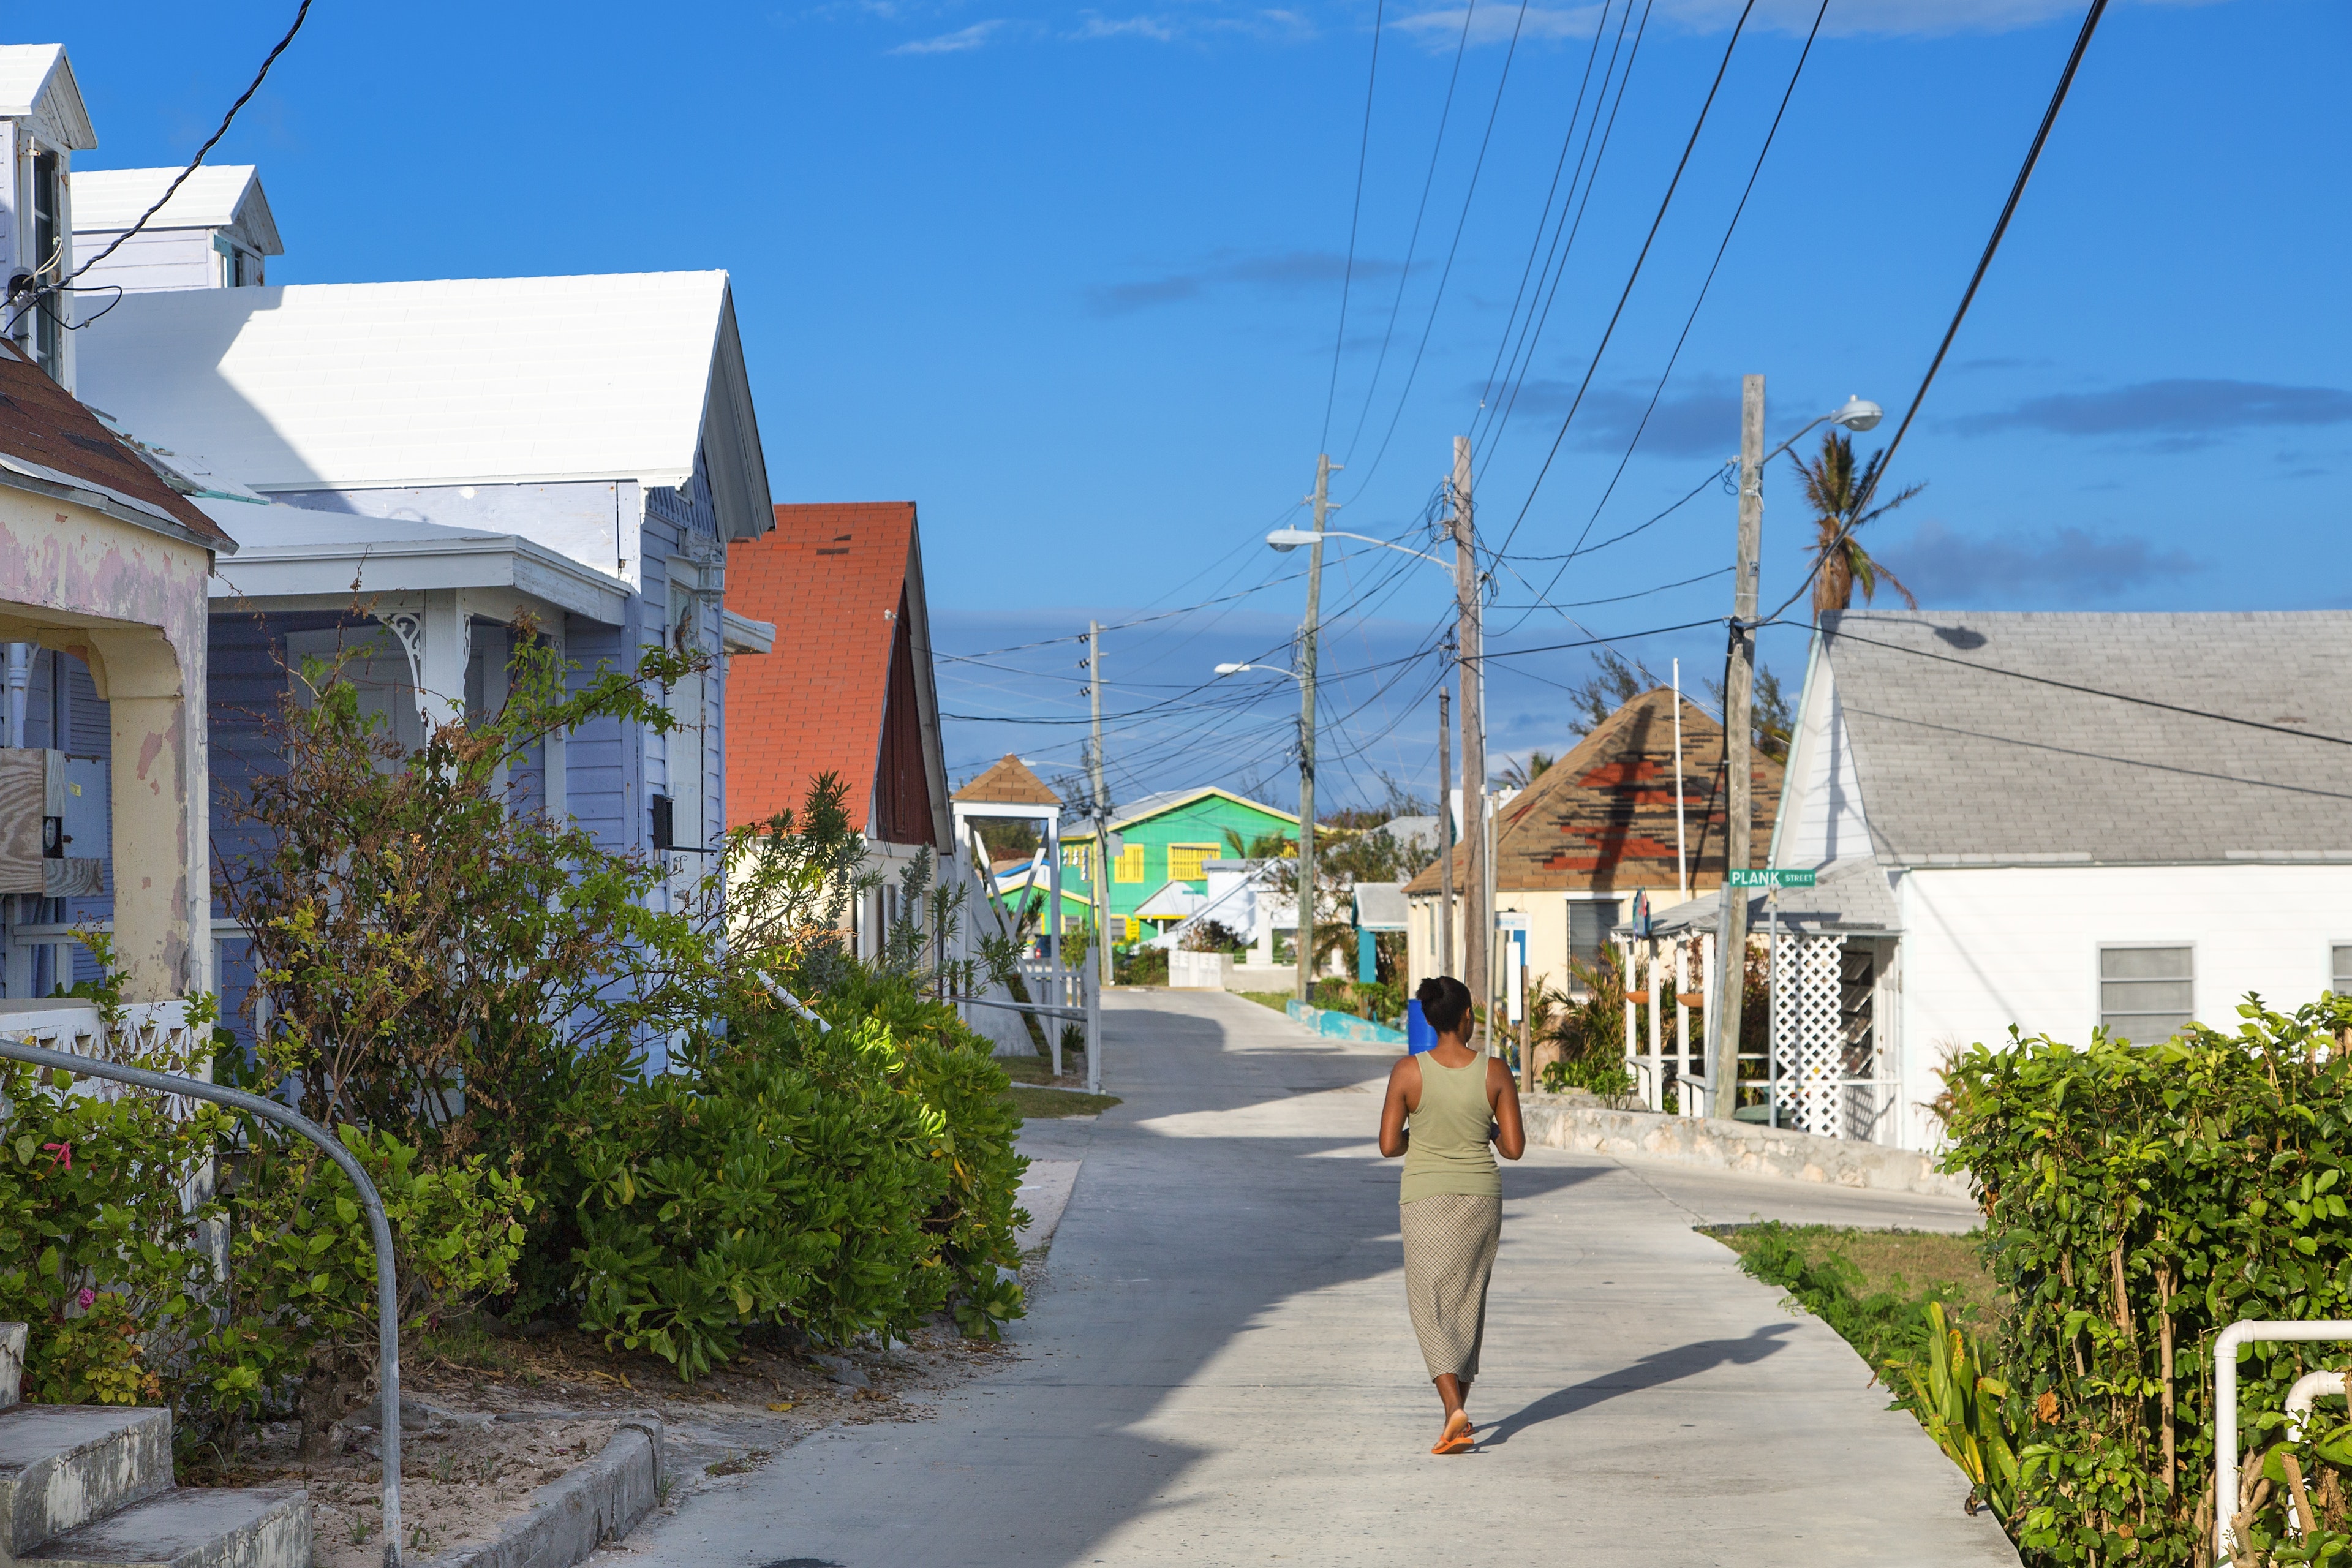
(1070, 278)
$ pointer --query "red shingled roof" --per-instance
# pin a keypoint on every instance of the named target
(41, 423)
(835, 579)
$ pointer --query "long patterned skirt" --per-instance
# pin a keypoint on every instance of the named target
(1450, 1240)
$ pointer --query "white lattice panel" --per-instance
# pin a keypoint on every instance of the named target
(1807, 1033)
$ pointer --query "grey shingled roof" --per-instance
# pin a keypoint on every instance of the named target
(1960, 764)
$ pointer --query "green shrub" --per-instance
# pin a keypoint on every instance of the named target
(97, 1236)
(838, 1182)
(1595, 1074)
(2138, 1200)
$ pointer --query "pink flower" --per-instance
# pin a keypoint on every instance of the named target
(85, 1298)
(63, 1152)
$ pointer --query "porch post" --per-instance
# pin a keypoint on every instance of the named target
(163, 867)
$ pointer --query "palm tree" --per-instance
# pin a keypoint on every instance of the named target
(1837, 495)
(1520, 775)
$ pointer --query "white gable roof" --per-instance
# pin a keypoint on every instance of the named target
(476, 381)
(37, 83)
(228, 196)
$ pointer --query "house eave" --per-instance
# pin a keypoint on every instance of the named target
(495, 561)
(34, 478)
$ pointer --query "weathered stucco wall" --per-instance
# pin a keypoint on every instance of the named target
(129, 603)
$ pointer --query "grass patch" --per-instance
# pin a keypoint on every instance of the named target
(1277, 1000)
(1906, 1265)
(1036, 1104)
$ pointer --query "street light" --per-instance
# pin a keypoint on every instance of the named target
(1237, 669)
(1853, 414)
(1288, 538)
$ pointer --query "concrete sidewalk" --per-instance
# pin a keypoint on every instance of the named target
(1220, 1369)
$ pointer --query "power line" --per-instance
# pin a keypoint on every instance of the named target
(1543, 218)
(1404, 273)
(1445, 273)
(1984, 264)
(1532, 330)
(1594, 367)
(1355, 216)
(39, 292)
(1772, 132)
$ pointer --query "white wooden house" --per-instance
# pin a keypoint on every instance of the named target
(2049, 821)
(418, 465)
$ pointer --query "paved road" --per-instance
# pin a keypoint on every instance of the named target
(1219, 1370)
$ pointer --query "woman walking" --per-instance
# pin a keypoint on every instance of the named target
(1450, 1204)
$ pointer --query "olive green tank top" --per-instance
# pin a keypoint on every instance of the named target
(1447, 1152)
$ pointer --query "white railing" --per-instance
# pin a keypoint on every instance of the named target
(148, 1033)
(2233, 1339)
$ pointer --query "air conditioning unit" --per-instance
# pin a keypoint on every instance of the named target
(33, 796)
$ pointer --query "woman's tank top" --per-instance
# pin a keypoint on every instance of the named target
(1448, 1151)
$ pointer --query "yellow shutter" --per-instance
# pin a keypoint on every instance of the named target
(1076, 857)
(1130, 865)
(1184, 861)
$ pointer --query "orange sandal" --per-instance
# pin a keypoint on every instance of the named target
(1459, 1436)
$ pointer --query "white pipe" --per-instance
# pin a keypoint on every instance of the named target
(2304, 1394)
(2233, 1339)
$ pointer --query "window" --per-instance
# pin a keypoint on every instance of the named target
(48, 264)
(1184, 860)
(1130, 868)
(1588, 921)
(2342, 970)
(2144, 993)
(1078, 857)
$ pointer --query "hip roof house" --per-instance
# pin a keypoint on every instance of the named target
(1595, 828)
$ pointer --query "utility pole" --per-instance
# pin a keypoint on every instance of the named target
(1476, 914)
(1101, 867)
(1101, 900)
(1309, 637)
(1445, 839)
(1731, 963)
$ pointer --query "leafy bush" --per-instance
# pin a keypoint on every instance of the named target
(301, 1300)
(2139, 1199)
(1603, 1076)
(1139, 966)
(104, 1225)
(838, 1182)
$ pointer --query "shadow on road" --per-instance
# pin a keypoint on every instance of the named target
(1652, 1370)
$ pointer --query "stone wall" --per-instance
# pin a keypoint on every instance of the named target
(1580, 1124)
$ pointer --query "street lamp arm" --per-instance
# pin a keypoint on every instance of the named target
(1237, 669)
(1292, 538)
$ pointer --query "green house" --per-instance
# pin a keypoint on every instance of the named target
(1163, 839)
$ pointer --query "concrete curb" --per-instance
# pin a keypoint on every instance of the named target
(1737, 1146)
(602, 1500)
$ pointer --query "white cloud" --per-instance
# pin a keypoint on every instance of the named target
(1492, 24)
(954, 43)
(1151, 27)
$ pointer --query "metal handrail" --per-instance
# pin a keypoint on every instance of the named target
(2233, 1339)
(387, 1292)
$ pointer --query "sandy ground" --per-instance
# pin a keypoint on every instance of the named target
(481, 1435)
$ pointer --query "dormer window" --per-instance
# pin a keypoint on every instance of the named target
(240, 268)
(48, 263)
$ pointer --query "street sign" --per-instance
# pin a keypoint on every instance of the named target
(1776, 877)
(1512, 920)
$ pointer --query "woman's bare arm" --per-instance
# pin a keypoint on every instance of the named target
(1404, 1082)
(1503, 1094)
